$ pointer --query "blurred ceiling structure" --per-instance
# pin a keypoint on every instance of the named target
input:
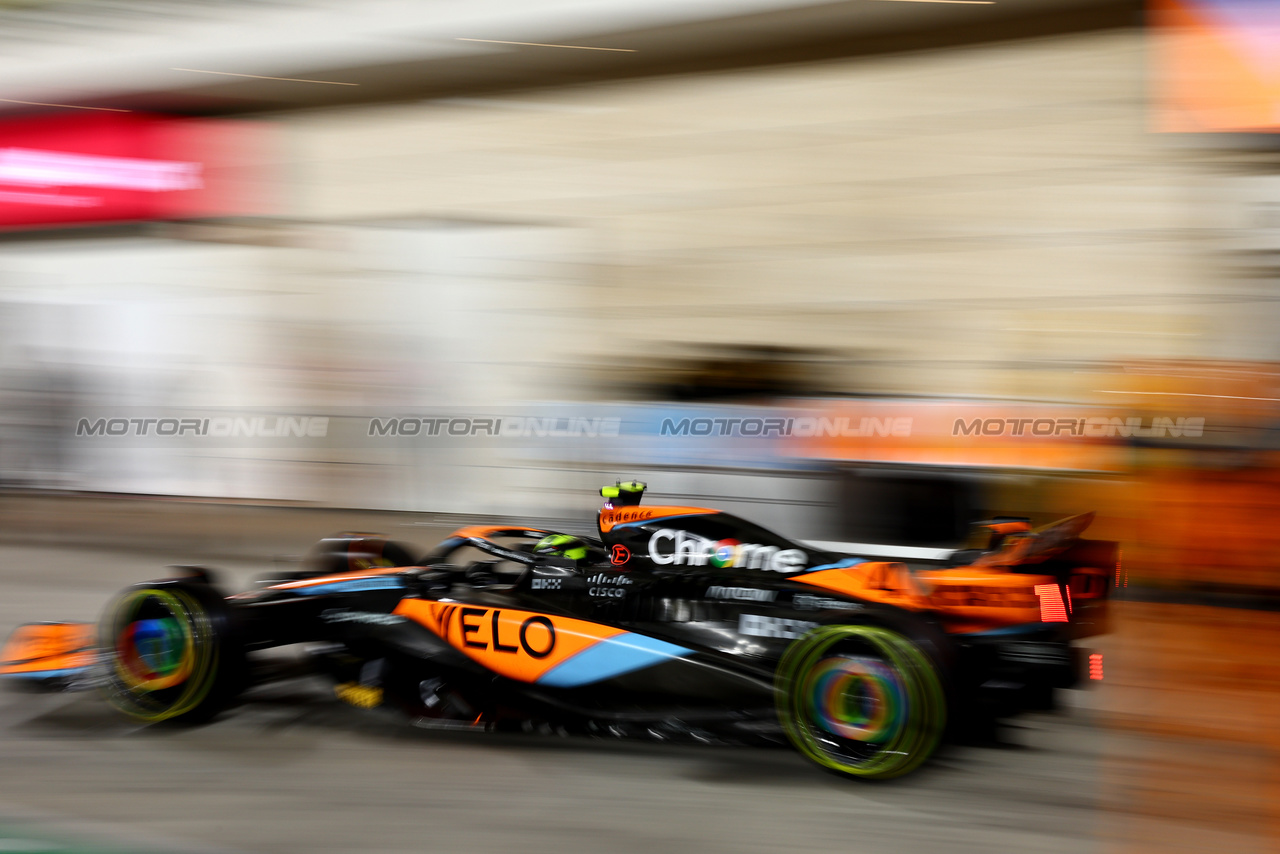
(242, 56)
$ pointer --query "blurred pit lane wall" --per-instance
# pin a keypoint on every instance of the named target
(1177, 459)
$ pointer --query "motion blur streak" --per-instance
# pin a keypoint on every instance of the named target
(63, 106)
(540, 44)
(864, 272)
(262, 77)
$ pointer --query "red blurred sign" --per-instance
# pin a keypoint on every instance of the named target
(71, 169)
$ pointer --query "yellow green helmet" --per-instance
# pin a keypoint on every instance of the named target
(561, 545)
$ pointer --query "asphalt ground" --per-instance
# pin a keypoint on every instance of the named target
(295, 770)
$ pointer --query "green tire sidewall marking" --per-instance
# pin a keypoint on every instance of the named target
(197, 624)
(917, 736)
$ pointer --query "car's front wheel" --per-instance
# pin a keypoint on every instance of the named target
(169, 652)
(861, 700)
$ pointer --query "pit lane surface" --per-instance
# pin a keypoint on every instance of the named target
(299, 771)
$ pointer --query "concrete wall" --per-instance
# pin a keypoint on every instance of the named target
(973, 221)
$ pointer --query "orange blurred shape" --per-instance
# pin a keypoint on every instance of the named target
(1207, 76)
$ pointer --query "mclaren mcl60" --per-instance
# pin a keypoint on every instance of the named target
(675, 621)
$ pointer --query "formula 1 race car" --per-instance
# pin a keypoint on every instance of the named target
(675, 622)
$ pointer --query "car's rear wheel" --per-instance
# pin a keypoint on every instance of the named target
(169, 654)
(861, 700)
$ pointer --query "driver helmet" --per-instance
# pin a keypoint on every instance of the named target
(561, 545)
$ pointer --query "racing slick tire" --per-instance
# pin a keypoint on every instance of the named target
(861, 700)
(170, 654)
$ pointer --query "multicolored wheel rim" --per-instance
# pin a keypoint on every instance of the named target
(856, 698)
(164, 655)
(860, 700)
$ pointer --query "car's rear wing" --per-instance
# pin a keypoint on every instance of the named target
(1086, 570)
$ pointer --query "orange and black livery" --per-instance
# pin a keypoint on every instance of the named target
(675, 620)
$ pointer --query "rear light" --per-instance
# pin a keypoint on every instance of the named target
(1052, 609)
(1095, 666)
